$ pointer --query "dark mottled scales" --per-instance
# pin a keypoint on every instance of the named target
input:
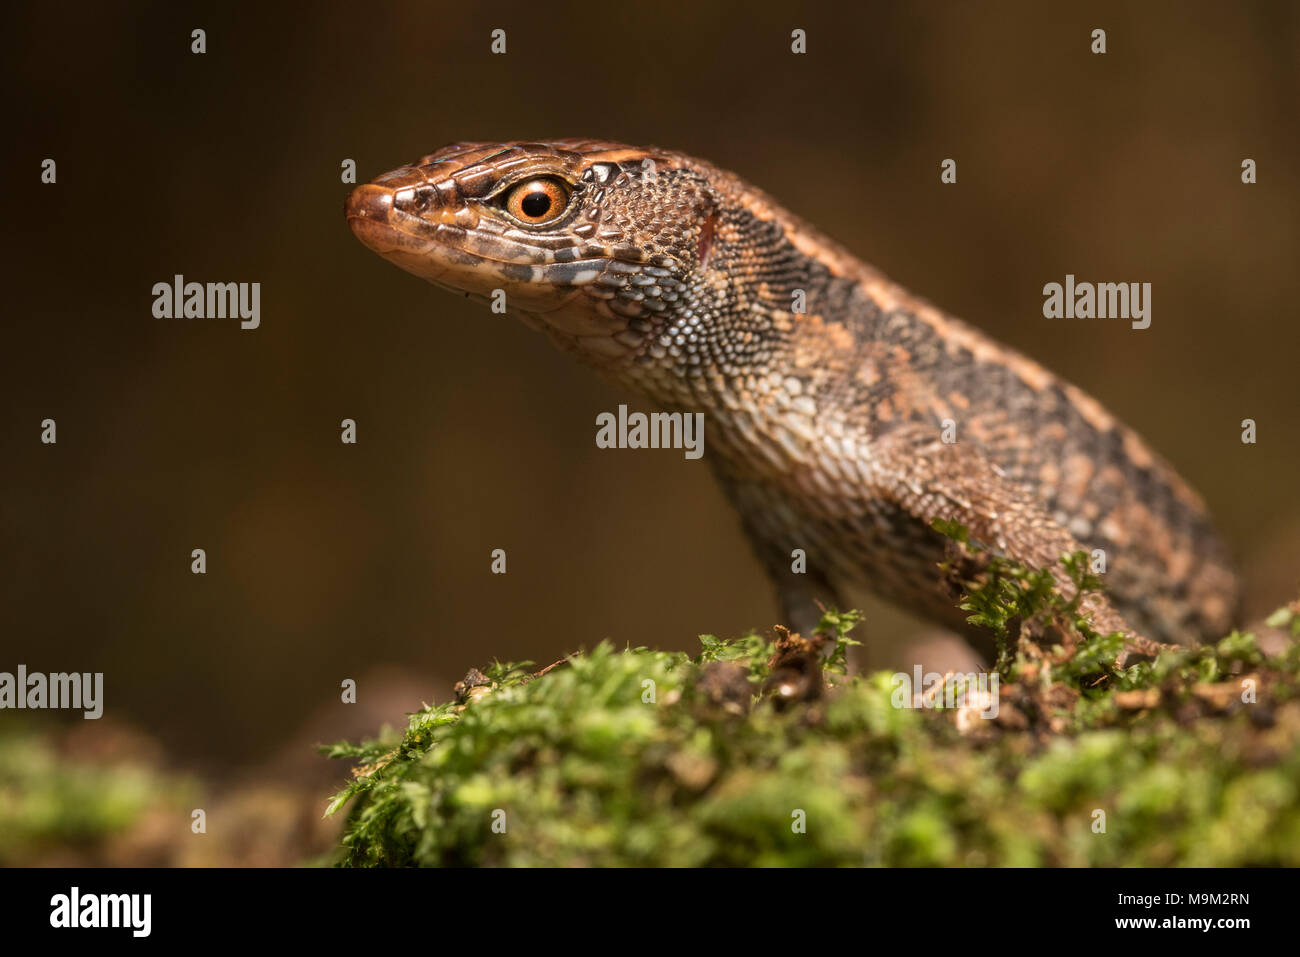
(824, 428)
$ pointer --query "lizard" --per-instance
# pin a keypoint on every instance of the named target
(826, 387)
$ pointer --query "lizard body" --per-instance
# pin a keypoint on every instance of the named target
(679, 280)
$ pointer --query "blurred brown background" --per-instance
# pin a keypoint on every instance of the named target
(328, 561)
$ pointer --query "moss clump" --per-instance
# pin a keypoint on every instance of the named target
(763, 752)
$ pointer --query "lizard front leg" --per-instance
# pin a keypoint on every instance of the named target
(799, 598)
(802, 588)
(928, 479)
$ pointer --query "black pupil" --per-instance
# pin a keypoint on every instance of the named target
(536, 205)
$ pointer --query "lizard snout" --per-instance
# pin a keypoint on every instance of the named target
(368, 203)
(395, 211)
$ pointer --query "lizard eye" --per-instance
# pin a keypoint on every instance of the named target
(537, 201)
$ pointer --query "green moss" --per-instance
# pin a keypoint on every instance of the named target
(638, 757)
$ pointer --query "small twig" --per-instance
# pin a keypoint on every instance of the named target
(553, 665)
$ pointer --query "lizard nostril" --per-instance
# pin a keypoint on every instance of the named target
(414, 199)
(424, 198)
(404, 199)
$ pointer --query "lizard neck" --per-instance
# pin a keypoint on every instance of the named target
(758, 316)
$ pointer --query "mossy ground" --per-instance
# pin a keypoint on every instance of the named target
(758, 751)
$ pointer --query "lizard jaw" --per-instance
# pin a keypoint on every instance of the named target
(430, 245)
(426, 246)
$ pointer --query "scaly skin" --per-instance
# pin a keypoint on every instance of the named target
(675, 278)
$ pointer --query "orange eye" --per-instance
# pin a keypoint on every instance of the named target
(537, 201)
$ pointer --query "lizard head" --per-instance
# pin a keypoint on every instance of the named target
(620, 254)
